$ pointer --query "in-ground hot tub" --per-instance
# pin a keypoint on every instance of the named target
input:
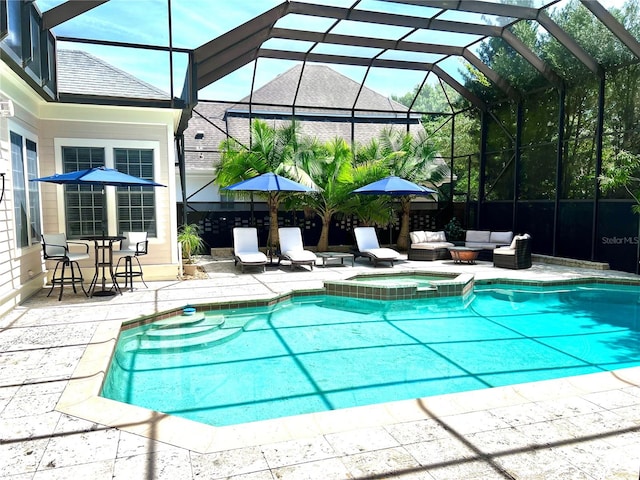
(402, 285)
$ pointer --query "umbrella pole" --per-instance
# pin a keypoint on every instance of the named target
(253, 219)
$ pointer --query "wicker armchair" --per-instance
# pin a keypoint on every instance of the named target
(515, 256)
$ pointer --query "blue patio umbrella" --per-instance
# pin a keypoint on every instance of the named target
(395, 186)
(98, 176)
(271, 184)
(268, 182)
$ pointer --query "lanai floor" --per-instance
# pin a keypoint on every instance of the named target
(585, 427)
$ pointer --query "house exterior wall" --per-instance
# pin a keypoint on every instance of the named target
(52, 125)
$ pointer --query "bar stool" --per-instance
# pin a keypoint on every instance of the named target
(56, 247)
(133, 246)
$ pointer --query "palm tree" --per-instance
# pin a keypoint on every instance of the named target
(278, 150)
(369, 166)
(331, 173)
(412, 158)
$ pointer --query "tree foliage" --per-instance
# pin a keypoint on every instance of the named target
(541, 107)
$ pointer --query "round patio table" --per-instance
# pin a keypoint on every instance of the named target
(104, 264)
(464, 254)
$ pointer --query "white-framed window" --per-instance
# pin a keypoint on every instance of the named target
(127, 208)
(26, 194)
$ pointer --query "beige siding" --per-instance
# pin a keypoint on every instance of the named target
(161, 248)
(22, 271)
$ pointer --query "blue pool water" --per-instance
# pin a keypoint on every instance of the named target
(321, 353)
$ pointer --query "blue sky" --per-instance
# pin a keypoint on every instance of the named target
(195, 22)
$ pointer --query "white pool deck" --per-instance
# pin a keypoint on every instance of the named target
(53, 425)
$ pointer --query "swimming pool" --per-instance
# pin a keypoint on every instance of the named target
(321, 353)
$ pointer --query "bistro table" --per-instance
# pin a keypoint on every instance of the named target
(326, 256)
(103, 245)
(464, 254)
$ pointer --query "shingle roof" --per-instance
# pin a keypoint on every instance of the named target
(320, 86)
(83, 74)
(324, 102)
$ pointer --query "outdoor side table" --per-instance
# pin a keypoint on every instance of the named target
(104, 265)
(331, 256)
(464, 254)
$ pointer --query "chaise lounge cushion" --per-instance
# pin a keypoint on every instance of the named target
(368, 246)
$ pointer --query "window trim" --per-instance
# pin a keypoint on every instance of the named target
(25, 134)
(110, 194)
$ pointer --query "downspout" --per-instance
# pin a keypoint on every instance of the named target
(183, 176)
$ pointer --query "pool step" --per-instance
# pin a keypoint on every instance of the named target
(213, 337)
(183, 320)
(179, 329)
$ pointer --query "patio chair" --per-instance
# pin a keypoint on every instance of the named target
(56, 247)
(516, 256)
(292, 248)
(368, 246)
(245, 248)
(134, 245)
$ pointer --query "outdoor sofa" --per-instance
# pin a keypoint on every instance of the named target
(426, 245)
(487, 241)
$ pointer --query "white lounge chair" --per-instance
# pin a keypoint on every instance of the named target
(368, 246)
(245, 248)
(292, 248)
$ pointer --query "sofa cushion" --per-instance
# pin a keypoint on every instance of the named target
(504, 251)
(501, 238)
(414, 237)
(478, 236)
(435, 236)
(431, 245)
(484, 246)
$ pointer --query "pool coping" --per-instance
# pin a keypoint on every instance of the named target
(81, 397)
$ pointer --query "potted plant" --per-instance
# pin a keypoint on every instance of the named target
(454, 231)
(192, 244)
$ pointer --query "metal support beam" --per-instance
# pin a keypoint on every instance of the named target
(482, 177)
(569, 43)
(496, 79)
(598, 169)
(351, 40)
(562, 94)
(535, 61)
(67, 11)
(475, 6)
(517, 164)
(392, 19)
(475, 101)
(613, 25)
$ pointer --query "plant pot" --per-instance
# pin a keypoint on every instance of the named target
(189, 269)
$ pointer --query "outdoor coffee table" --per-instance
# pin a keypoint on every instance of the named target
(464, 254)
(329, 256)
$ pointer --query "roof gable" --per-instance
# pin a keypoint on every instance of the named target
(321, 87)
(81, 73)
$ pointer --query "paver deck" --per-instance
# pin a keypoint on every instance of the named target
(585, 427)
